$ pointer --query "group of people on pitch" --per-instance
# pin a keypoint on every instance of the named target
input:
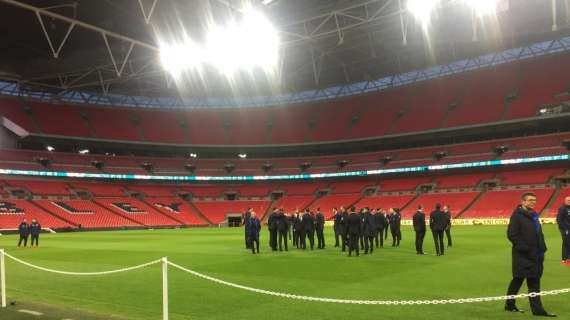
(26, 230)
(524, 232)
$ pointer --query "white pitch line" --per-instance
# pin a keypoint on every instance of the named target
(34, 313)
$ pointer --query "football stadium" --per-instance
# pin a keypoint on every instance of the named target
(284, 159)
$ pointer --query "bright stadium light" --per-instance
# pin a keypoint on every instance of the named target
(242, 155)
(483, 7)
(50, 148)
(193, 155)
(84, 151)
(182, 56)
(422, 10)
(252, 42)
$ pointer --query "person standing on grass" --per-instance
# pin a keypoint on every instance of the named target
(246, 217)
(389, 220)
(437, 224)
(24, 230)
(35, 229)
(272, 227)
(320, 226)
(528, 249)
(353, 229)
(254, 229)
(309, 227)
(336, 218)
(381, 224)
(282, 230)
(419, 222)
(447, 212)
(395, 225)
(563, 220)
(369, 231)
(297, 229)
(343, 228)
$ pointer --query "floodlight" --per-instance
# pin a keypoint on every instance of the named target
(193, 155)
(84, 151)
(422, 9)
(242, 155)
(50, 148)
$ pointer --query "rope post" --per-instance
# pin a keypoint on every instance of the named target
(2, 278)
(164, 288)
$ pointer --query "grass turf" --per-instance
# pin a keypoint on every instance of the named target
(477, 265)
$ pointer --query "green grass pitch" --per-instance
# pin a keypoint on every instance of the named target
(477, 265)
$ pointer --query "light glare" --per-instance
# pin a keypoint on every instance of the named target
(422, 9)
(245, 45)
(483, 7)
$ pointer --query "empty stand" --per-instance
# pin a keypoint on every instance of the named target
(328, 202)
(385, 201)
(462, 180)
(457, 201)
(535, 176)
(216, 211)
(13, 211)
(292, 203)
(85, 213)
(501, 203)
(137, 210)
(176, 208)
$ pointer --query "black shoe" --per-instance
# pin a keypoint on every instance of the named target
(513, 309)
(544, 314)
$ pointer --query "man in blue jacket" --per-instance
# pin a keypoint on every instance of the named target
(563, 220)
(35, 229)
(528, 249)
(24, 230)
(254, 228)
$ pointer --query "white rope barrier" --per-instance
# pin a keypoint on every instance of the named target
(165, 263)
(99, 273)
(369, 302)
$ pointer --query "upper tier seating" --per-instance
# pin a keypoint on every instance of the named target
(479, 97)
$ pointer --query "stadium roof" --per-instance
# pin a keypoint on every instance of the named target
(111, 47)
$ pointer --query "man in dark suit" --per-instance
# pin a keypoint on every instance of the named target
(437, 224)
(343, 228)
(361, 237)
(309, 226)
(35, 229)
(320, 226)
(528, 249)
(282, 230)
(301, 234)
(369, 230)
(388, 219)
(395, 225)
(563, 220)
(296, 222)
(419, 221)
(246, 217)
(254, 229)
(353, 227)
(381, 224)
(336, 219)
(272, 226)
(24, 231)
(447, 212)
